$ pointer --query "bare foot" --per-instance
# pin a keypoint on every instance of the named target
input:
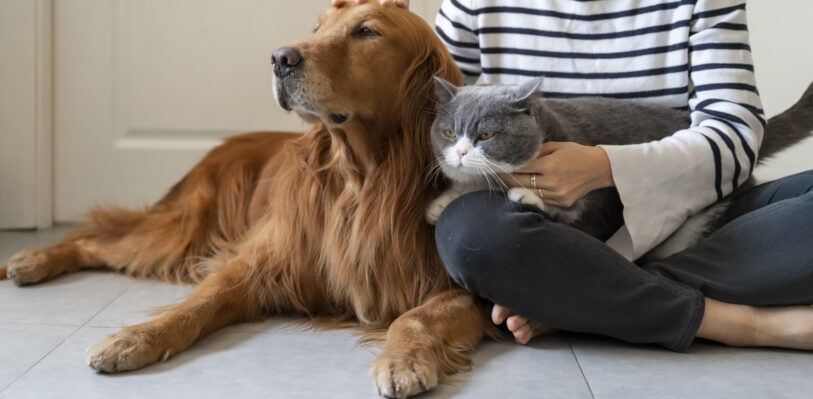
(741, 325)
(785, 326)
(523, 329)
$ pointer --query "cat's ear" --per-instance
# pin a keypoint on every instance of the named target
(445, 90)
(528, 89)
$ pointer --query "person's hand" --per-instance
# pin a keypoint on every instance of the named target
(399, 3)
(523, 329)
(565, 172)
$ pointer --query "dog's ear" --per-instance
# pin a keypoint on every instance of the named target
(444, 90)
(528, 90)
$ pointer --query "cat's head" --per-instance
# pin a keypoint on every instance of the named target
(484, 129)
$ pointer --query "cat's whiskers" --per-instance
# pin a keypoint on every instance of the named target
(481, 165)
(492, 165)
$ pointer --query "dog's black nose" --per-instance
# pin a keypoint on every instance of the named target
(285, 61)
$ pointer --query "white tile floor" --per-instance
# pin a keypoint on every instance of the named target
(44, 330)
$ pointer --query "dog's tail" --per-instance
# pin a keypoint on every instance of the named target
(789, 127)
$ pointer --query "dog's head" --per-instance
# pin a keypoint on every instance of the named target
(363, 62)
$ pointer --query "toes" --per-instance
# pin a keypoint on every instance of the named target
(523, 335)
(538, 329)
(516, 322)
(500, 313)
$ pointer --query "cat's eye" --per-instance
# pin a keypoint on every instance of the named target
(486, 136)
(450, 134)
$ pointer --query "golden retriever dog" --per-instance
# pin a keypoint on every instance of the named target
(328, 224)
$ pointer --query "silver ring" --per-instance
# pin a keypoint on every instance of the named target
(533, 181)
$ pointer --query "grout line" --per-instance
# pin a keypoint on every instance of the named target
(592, 395)
(66, 338)
(32, 323)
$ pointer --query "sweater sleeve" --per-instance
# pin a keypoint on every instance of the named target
(664, 182)
(455, 25)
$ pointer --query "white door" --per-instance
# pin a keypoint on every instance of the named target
(144, 87)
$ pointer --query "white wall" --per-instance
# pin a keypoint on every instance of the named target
(782, 46)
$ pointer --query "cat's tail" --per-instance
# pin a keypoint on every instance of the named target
(789, 127)
(782, 131)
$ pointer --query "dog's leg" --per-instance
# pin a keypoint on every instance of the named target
(428, 343)
(223, 298)
(202, 215)
(161, 243)
(32, 266)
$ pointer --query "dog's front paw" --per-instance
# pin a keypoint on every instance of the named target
(128, 349)
(28, 267)
(400, 375)
(526, 196)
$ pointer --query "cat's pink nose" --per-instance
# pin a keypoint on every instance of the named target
(462, 153)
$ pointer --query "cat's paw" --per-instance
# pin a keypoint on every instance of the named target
(437, 206)
(526, 196)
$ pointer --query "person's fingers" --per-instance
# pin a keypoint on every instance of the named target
(399, 3)
(550, 147)
(499, 314)
(511, 180)
(516, 322)
(336, 3)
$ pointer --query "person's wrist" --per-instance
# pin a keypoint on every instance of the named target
(604, 178)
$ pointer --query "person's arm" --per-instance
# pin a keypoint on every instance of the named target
(664, 182)
(456, 26)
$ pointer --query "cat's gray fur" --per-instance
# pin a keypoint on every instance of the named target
(522, 120)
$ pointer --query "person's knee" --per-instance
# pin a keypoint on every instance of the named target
(473, 237)
(796, 184)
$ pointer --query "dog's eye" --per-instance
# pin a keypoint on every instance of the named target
(450, 134)
(486, 136)
(366, 31)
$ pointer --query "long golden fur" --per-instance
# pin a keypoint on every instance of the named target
(328, 224)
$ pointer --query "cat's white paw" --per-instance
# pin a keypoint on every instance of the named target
(526, 196)
(437, 206)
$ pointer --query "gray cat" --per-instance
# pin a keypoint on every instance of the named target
(480, 131)
(483, 130)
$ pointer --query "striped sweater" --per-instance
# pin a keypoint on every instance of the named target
(690, 54)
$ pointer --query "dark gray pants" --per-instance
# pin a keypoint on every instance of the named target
(510, 254)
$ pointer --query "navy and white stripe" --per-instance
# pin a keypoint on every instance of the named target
(686, 54)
